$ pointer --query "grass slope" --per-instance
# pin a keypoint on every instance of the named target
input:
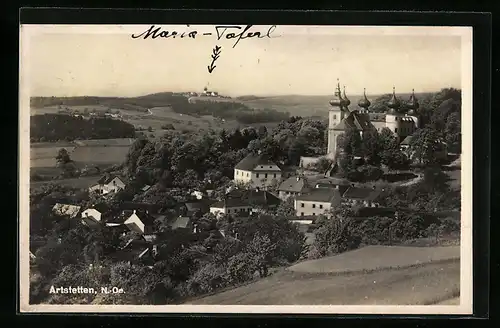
(424, 276)
(428, 284)
(377, 257)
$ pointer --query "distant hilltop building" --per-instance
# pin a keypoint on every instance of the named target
(402, 118)
(208, 93)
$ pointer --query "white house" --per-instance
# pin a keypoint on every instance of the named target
(94, 215)
(257, 170)
(244, 202)
(107, 184)
(140, 221)
(319, 201)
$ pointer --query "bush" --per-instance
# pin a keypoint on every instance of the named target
(168, 127)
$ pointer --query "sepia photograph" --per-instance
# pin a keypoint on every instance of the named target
(245, 168)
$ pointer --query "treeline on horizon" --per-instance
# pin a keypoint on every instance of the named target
(55, 127)
(179, 104)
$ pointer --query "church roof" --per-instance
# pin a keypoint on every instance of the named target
(354, 120)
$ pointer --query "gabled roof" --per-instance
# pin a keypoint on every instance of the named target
(105, 179)
(334, 182)
(248, 198)
(356, 121)
(294, 184)
(253, 160)
(180, 222)
(151, 208)
(321, 195)
(100, 207)
(144, 216)
(66, 209)
(407, 140)
(193, 206)
(361, 193)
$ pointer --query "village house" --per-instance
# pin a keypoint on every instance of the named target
(293, 186)
(318, 202)
(68, 210)
(93, 215)
(364, 197)
(244, 202)
(107, 184)
(334, 183)
(139, 221)
(137, 251)
(257, 170)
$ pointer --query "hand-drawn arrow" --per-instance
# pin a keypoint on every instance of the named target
(215, 56)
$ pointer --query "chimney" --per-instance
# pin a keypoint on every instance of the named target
(298, 178)
(133, 212)
(374, 187)
(257, 189)
(352, 184)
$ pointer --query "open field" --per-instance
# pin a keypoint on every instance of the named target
(102, 153)
(424, 285)
(82, 183)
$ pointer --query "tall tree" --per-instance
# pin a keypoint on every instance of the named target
(425, 144)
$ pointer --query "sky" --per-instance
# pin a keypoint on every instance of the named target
(299, 60)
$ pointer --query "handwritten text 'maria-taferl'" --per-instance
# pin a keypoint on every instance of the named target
(228, 32)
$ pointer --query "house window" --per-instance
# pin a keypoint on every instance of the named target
(262, 166)
(314, 206)
(334, 117)
(396, 130)
(257, 175)
(265, 175)
(247, 174)
(301, 204)
(275, 175)
(270, 167)
(321, 206)
(314, 214)
(302, 214)
(237, 173)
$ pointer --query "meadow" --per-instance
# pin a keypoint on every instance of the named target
(102, 153)
(422, 280)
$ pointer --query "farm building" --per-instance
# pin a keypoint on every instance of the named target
(107, 184)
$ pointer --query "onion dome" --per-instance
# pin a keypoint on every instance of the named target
(394, 104)
(364, 102)
(347, 102)
(337, 101)
(412, 103)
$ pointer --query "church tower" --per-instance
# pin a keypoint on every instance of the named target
(413, 106)
(364, 103)
(337, 113)
(395, 114)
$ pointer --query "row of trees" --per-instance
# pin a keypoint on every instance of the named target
(344, 231)
(54, 127)
(203, 160)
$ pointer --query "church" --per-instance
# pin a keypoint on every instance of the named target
(402, 118)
